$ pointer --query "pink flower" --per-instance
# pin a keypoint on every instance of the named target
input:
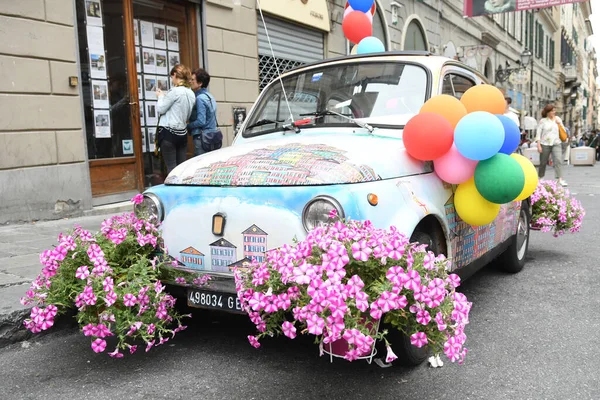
(149, 345)
(354, 285)
(137, 199)
(82, 272)
(315, 324)
(110, 298)
(414, 280)
(439, 319)
(390, 355)
(132, 349)
(429, 261)
(129, 300)
(352, 355)
(362, 301)
(375, 312)
(116, 354)
(253, 341)
(180, 280)
(108, 284)
(423, 317)
(333, 213)
(289, 329)
(98, 345)
(361, 251)
(418, 339)
(397, 276)
(151, 328)
(453, 280)
(103, 331)
(89, 330)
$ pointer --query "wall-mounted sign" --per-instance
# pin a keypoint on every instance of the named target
(312, 13)
(475, 8)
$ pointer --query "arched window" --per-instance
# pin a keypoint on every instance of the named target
(415, 37)
(379, 27)
(487, 71)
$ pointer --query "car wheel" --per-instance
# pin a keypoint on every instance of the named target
(513, 258)
(409, 355)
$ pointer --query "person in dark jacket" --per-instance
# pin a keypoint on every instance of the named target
(204, 115)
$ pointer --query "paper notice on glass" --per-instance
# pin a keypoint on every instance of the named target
(160, 36)
(136, 31)
(151, 113)
(149, 60)
(173, 59)
(147, 33)
(142, 112)
(138, 65)
(172, 38)
(102, 124)
(150, 87)
(143, 138)
(151, 139)
(127, 146)
(100, 94)
(93, 12)
(140, 87)
(161, 62)
(95, 39)
(162, 83)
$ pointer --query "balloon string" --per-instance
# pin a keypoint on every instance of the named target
(275, 61)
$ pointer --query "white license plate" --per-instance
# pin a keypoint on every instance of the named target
(214, 300)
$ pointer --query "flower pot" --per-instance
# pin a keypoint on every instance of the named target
(339, 347)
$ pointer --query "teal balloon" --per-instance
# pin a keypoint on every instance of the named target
(370, 44)
(479, 135)
(499, 179)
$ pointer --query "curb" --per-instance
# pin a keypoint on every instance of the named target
(13, 331)
(115, 208)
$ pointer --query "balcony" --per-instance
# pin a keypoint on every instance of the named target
(570, 72)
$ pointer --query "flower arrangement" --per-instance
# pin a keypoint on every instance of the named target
(554, 209)
(344, 278)
(113, 279)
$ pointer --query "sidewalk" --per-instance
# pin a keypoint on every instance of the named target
(20, 247)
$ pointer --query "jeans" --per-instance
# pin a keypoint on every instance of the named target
(198, 145)
(557, 160)
(173, 148)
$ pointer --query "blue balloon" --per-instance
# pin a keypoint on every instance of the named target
(361, 5)
(370, 44)
(512, 135)
(479, 135)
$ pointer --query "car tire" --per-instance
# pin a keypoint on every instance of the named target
(409, 355)
(512, 260)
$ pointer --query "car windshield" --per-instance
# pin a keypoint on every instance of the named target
(388, 93)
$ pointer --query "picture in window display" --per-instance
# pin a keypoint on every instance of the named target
(475, 8)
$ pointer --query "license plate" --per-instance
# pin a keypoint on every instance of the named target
(214, 300)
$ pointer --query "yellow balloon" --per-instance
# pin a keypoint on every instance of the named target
(471, 207)
(531, 176)
(354, 49)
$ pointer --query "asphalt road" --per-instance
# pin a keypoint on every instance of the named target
(533, 335)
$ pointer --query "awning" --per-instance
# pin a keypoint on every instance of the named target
(312, 13)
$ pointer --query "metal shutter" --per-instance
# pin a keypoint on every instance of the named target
(293, 45)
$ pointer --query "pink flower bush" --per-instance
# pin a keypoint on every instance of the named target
(555, 210)
(344, 278)
(113, 279)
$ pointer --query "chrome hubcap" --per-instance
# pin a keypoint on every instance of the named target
(522, 235)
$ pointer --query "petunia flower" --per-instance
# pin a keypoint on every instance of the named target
(129, 300)
(82, 272)
(418, 339)
(289, 329)
(253, 341)
(390, 355)
(98, 345)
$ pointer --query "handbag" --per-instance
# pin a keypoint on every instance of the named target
(211, 140)
(562, 133)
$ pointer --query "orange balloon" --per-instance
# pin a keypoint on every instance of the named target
(447, 106)
(484, 98)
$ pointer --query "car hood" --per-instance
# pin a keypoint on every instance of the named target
(292, 160)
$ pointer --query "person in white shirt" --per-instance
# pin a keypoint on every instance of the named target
(548, 141)
(510, 112)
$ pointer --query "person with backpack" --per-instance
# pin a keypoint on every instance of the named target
(203, 121)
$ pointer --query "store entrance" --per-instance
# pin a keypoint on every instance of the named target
(127, 48)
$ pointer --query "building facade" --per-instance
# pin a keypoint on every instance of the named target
(78, 113)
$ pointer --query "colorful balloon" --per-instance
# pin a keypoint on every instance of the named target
(453, 168)
(531, 176)
(354, 49)
(479, 135)
(484, 98)
(361, 5)
(370, 44)
(499, 179)
(447, 106)
(471, 207)
(427, 136)
(512, 135)
(356, 26)
(370, 14)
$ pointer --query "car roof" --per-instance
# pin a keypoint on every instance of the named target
(425, 58)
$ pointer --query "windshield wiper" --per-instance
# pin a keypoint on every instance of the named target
(262, 122)
(326, 111)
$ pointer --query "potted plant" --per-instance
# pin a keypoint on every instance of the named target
(113, 280)
(555, 210)
(346, 277)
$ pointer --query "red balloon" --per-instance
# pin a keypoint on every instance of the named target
(428, 136)
(356, 26)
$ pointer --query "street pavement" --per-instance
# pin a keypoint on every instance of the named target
(532, 335)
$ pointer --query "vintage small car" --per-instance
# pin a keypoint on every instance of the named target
(326, 136)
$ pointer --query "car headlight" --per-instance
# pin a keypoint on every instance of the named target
(149, 208)
(317, 210)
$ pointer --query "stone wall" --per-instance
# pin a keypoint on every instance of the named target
(43, 169)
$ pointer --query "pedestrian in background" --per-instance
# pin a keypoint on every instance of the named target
(511, 113)
(174, 110)
(203, 121)
(548, 141)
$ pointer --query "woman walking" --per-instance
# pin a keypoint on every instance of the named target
(548, 141)
(175, 108)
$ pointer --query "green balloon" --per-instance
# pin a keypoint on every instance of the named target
(499, 179)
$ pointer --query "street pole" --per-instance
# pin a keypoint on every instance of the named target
(531, 90)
